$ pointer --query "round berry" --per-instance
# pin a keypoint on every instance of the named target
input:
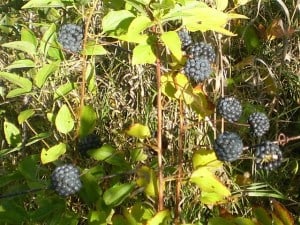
(70, 36)
(185, 38)
(88, 142)
(268, 156)
(259, 123)
(198, 69)
(229, 108)
(203, 50)
(65, 180)
(228, 146)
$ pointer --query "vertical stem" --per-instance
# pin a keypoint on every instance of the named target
(180, 161)
(159, 127)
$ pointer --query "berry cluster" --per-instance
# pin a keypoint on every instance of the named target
(185, 38)
(228, 146)
(88, 142)
(65, 180)
(202, 50)
(230, 108)
(268, 156)
(70, 36)
(259, 124)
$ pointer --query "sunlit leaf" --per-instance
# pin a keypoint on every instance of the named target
(17, 80)
(88, 119)
(211, 198)
(167, 85)
(64, 121)
(43, 4)
(94, 49)
(44, 72)
(115, 195)
(47, 40)
(12, 134)
(208, 182)
(114, 18)
(172, 41)
(243, 221)
(24, 115)
(24, 46)
(221, 4)
(159, 218)
(53, 153)
(138, 130)
(23, 63)
(219, 221)
(205, 157)
(64, 89)
(262, 216)
(147, 179)
(138, 25)
(143, 54)
(29, 36)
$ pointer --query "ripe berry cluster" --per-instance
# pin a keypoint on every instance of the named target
(65, 180)
(70, 36)
(88, 142)
(228, 146)
(200, 57)
(259, 123)
(229, 108)
(268, 156)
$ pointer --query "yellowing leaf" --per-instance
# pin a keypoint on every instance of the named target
(138, 130)
(53, 153)
(221, 4)
(172, 41)
(208, 182)
(167, 85)
(147, 179)
(205, 157)
(143, 54)
(64, 121)
(211, 198)
(159, 218)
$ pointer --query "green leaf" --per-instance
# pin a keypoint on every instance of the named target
(138, 25)
(211, 198)
(64, 121)
(88, 119)
(115, 195)
(172, 41)
(94, 49)
(282, 213)
(202, 177)
(43, 73)
(12, 134)
(114, 18)
(148, 180)
(24, 115)
(53, 153)
(43, 4)
(168, 86)
(138, 130)
(160, 218)
(29, 166)
(64, 89)
(11, 212)
(205, 157)
(22, 82)
(28, 35)
(23, 63)
(102, 153)
(219, 221)
(262, 216)
(243, 221)
(48, 40)
(24, 46)
(142, 54)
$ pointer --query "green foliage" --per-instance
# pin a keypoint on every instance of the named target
(50, 97)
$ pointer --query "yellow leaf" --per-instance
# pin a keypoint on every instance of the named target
(138, 130)
(147, 179)
(221, 4)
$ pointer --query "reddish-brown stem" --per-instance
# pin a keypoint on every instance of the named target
(180, 161)
(84, 66)
(159, 128)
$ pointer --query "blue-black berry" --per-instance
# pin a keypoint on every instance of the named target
(70, 36)
(65, 180)
(228, 146)
(198, 69)
(88, 142)
(259, 123)
(268, 156)
(229, 108)
(185, 38)
(202, 50)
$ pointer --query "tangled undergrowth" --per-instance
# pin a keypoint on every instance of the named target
(169, 117)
